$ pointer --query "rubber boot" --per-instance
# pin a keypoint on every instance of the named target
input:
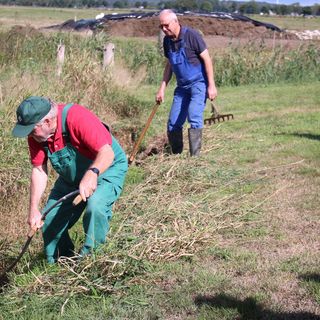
(195, 137)
(176, 141)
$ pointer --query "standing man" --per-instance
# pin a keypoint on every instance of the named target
(86, 157)
(188, 57)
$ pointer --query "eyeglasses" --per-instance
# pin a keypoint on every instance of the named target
(165, 25)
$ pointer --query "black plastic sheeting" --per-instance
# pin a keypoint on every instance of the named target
(92, 24)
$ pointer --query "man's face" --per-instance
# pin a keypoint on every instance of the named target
(42, 131)
(169, 26)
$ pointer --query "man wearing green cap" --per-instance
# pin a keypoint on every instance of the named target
(86, 156)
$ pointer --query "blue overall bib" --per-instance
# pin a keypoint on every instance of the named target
(190, 94)
(71, 166)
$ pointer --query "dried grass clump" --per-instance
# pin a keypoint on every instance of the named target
(175, 212)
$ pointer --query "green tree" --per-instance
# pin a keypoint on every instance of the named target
(206, 6)
(252, 7)
(283, 9)
(186, 5)
(307, 11)
(215, 5)
(265, 9)
(233, 7)
(316, 10)
(120, 4)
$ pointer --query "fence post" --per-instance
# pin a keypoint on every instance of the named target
(60, 58)
(108, 55)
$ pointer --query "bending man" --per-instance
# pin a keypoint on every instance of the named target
(86, 157)
(188, 58)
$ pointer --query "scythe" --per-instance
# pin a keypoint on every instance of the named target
(33, 231)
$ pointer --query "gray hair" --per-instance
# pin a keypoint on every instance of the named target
(52, 113)
(169, 13)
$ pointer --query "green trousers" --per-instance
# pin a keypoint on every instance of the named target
(97, 212)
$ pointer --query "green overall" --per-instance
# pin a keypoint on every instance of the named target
(71, 166)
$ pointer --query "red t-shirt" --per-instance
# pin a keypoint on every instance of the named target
(87, 134)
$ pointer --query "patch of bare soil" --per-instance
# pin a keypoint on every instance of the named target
(218, 33)
(208, 26)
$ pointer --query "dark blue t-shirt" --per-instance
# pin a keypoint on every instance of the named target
(194, 44)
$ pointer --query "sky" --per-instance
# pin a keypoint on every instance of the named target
(302, 2)
(287, 2)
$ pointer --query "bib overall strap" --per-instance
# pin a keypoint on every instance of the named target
(65, 134)
(179, 44)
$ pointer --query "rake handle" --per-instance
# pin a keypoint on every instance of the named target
(136, 146)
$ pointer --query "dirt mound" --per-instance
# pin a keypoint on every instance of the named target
(208, 26)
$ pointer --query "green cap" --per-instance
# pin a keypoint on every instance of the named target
(29, 113)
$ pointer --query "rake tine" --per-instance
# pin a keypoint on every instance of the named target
(216, 117)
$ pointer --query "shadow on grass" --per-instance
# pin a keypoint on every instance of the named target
(250, 309)
(305, 135)
(315, 277)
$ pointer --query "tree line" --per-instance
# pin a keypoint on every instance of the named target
(251, 7)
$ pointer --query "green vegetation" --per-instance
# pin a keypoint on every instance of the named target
(289, 22)
(28, 49)
(231, 234)
(46, 15)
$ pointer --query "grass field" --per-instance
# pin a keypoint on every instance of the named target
(290, 23)
(11, 15)
(230, 235)
(233, 234)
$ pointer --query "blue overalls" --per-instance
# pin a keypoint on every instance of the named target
(71, 166)
(189, 99)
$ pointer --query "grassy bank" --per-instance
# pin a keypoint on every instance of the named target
(231, 234)
(28, 50)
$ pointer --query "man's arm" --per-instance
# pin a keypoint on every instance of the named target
(212, 90)
(102, 162)
(167, 74)
(38, 183)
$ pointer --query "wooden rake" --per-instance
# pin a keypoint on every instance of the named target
(216, 116)
(143, 133)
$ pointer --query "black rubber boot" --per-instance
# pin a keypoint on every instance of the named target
(176, 141)
(195, 137)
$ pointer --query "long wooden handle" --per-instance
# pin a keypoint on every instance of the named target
(136, 146)
(77, 200)
(32, 232)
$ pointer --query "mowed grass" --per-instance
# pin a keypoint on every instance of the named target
(290, 23)
(40, 16)
(230, 235)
